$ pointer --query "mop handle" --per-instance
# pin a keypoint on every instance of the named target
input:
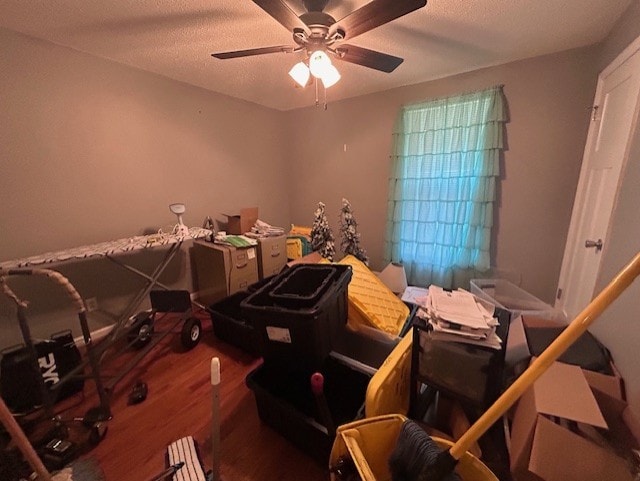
(215, 418)
(18, 436)
(51, 274)
(317, 387)
(170, 471)
(572, 332)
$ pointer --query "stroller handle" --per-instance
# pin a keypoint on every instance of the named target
(61, 280)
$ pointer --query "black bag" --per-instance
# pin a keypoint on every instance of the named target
(19, 387)
(586, 352)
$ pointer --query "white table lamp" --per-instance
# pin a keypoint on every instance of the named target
(394, 277)
(180, 228)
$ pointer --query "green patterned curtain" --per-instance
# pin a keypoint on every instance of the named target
(442, 188)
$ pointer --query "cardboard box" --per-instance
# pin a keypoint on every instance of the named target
(240, 223)
(223, 270)
(623, 431)
(272, 255)
(541, 449)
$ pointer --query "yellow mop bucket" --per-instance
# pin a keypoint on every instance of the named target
(369, 443)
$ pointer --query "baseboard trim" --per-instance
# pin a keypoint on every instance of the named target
(96, 336)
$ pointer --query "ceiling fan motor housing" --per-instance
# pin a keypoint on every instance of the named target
(315, 5)
(316, 30)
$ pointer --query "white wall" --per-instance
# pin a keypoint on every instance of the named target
(546, 98)
(619, 326)
(91, 150)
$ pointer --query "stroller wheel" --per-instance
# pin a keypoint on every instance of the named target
(141, 329)
(191, 333)
(97, 433)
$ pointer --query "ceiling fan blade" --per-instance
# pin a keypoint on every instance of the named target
(374, 14)
(254, 51)
(368, 58)
(283, 14)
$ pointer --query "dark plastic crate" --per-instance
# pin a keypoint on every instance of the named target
(256, 286)
(286, 403)
(303, 285)
(304, 335)
(229, 324)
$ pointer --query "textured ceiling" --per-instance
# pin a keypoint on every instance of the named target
(175, 38)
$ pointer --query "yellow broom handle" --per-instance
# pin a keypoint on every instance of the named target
(22, 442)
(577, 327)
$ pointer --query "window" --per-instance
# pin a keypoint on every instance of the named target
(442, 188)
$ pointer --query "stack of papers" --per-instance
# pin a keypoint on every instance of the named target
(459, 316)
(262, 229)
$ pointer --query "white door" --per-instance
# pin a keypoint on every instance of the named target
(614, 116)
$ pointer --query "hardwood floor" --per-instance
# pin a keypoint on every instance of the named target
(179, 404)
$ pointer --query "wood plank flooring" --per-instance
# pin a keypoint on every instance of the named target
(179, 404)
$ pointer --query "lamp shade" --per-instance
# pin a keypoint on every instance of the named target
(394, 277)
(300, 73)
(330, 76)
(319, 63)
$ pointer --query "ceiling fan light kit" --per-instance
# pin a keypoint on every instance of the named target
(319, 36)
(300, 73)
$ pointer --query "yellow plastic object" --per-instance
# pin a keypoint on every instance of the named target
(388, 389)
(369, 443)
(300, 230)
(294, 248)
(371, 302)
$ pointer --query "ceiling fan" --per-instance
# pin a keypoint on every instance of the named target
(316, 30)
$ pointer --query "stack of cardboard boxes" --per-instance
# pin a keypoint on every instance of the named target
(573, 423)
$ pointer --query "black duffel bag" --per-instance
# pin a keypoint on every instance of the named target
(57, 357)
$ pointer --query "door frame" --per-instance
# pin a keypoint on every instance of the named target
(579, 200)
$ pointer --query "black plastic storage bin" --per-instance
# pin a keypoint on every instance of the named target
(229, 324)
(299, 335)
(256, 286)
(303, 285)
(286, 403)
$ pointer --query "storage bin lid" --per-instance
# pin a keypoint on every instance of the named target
(372, 301)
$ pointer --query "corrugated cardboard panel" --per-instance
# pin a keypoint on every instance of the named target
(557, 454)
(611, 385)
(522, 430)
(563, 391)
(517, 348)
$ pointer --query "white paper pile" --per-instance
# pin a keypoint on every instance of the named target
(460, 317)
(262, 229)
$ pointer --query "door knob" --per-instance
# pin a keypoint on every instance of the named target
(597, 244)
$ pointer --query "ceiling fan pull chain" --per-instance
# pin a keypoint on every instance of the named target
(325, 97)
(315, 82)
